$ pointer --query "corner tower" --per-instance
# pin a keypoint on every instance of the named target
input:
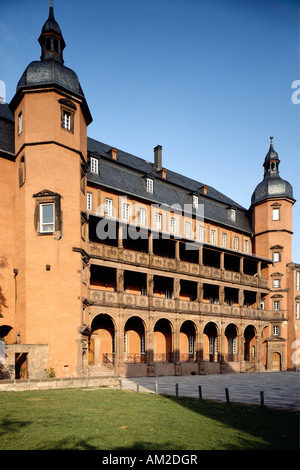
(51, 118)
(272, 219)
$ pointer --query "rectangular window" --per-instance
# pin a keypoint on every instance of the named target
(158, 221)
(195, 202)
(297, 311)
(213, 236)
(275, 330)
(275, 214)
(142, 217)
(276, 283)
(66, 120)
(232, 215)
(187, 229)
(94, 165)
(201, 234)
(224, 239)
(46, 218)
(108, 207)
(246, 246)
(125, 211)
(232, 345)
(20, 123)
(276, 305)
(149, 185)
(89, 201)
(173, 225)
(236, 243)
(298, 280)
(276, 256)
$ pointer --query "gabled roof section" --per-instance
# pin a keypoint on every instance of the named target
(124, 176)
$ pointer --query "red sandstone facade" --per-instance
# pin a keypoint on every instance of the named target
(137, 302)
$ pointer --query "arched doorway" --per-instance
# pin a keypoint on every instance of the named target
(187, 337)
(134, 340)
(232, 347)
(275, 361)
(102, 341)
(249, 344)
(163, 341)
(210, 342)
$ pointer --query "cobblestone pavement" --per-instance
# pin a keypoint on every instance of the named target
(280, 389)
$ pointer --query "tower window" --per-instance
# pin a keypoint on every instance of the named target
(275, 330)
(89, 201)
(47, 218)
(276, 256)
(276, 305)
(276, 283)
(20, 123)
(275, 214)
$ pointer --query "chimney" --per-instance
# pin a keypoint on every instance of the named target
(158, 157)
(114, 154)
(164, 173)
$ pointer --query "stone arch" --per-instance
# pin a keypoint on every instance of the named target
(134, 340)
(231, 343)
(163, 345)
(187, 340)
(210, 342)
(102, 340)
(250, 352)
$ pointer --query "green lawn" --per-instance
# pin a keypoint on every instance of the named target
(114, 419)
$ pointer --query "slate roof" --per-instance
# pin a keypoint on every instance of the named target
(127, 175)
(7, 143)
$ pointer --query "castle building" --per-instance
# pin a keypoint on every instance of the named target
(111, 264)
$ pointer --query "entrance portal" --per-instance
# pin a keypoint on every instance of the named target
(275, 361)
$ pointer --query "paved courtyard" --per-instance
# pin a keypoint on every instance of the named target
(280, 389)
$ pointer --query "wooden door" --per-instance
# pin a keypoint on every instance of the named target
(275, 361)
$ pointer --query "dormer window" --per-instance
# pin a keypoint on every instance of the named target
(94, 165)
(232, 215)
(195, 201)
(149, 185)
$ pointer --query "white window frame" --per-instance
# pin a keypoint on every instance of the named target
(149, 185)
(201, 233)
(232, 214)
(108, 207)
(224, 240)
(213, 236)
(125, 212)
(158, 221)
(276, 283)
(142, 217)
(275, 330)
(276, 256)
(20, 123)
(43, 224)
(66, 120)
(187, 229)
(236, 243)
(89, 201)
(195, 201)
(275, 214)
(173, 225)
(297, 280)
(276, 305)
(94, 165)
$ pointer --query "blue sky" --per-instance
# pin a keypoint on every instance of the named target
(210, 81)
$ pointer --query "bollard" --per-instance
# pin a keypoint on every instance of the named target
(200, 392)
(227, 395)
(177, 393)
(262, 399)
(156, 388)
(137, 386)
(120, 382)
